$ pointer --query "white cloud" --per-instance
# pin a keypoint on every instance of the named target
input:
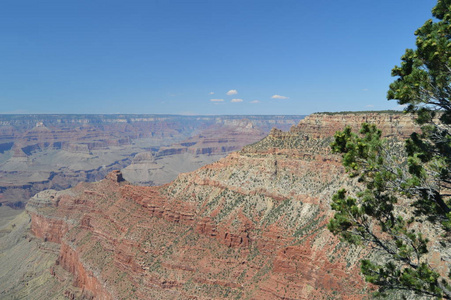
(216, 100)
(370, 105)
(279, 97)
(365, 90)
(236, 100)
(232, 92)
(255, 101)
(212, 93)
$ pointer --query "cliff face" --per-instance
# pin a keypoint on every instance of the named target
(250, 226)
(325, 125)
(38, 152)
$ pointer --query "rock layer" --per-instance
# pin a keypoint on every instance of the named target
(250, 226)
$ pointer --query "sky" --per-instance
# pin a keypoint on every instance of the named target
(202, 57)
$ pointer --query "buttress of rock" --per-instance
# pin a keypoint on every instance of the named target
(115, 176)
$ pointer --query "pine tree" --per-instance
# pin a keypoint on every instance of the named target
(373, 218)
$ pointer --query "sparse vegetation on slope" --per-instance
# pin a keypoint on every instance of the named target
(360, 112)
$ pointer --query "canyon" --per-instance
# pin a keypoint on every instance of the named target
(251, 225)
(39, 152)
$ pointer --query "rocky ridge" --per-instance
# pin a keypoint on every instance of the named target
(250, 226)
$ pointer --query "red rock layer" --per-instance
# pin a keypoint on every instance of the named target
(211, 258)
(84, 279)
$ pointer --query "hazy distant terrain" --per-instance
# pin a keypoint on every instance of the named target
(38, 152)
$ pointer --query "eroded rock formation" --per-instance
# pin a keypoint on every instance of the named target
(39, 152)
(250, 226)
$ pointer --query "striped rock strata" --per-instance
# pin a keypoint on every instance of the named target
(250, 226)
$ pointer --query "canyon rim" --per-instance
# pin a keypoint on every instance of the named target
(249, 226)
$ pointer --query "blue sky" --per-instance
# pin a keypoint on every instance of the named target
(167, 56)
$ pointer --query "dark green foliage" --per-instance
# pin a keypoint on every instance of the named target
(424, 84)
(420, 280)
(372, 219)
